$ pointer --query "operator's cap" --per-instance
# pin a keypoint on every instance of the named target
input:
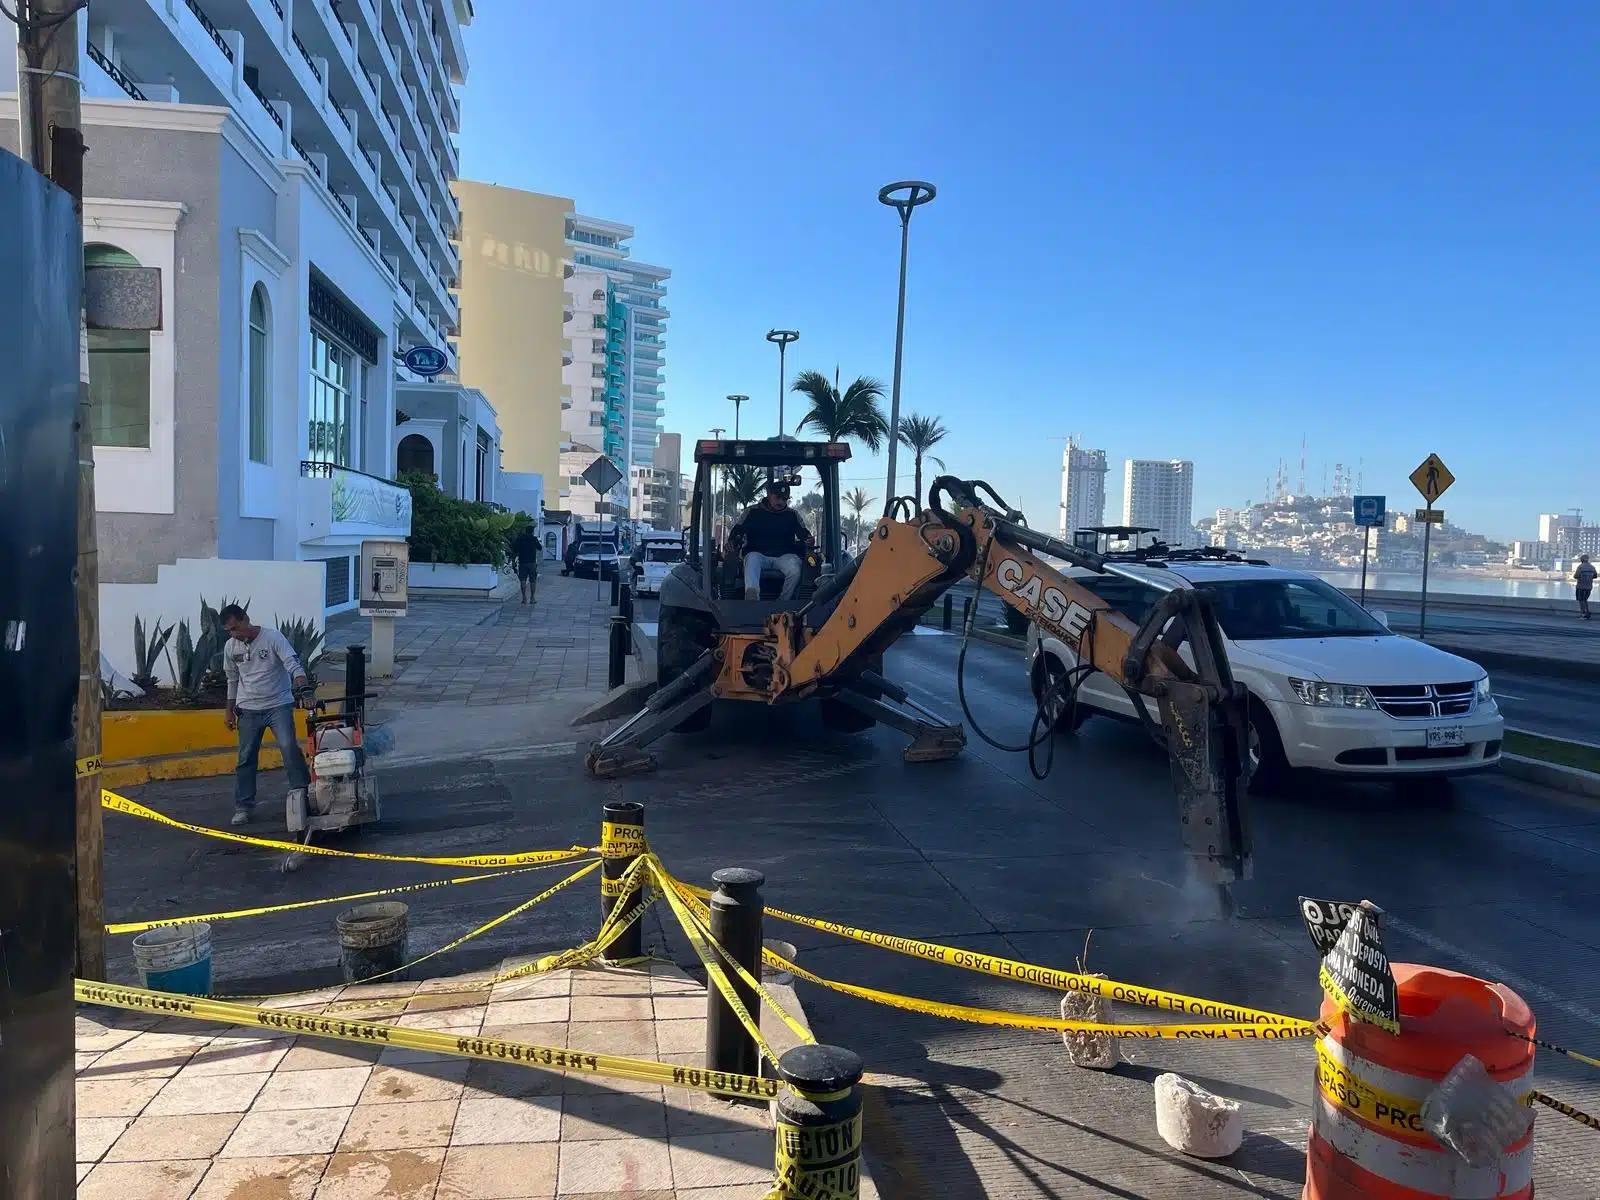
(777, 487)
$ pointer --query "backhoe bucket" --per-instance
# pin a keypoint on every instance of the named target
(1204, 748)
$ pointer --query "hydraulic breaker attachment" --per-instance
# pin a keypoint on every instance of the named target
(1202, 750)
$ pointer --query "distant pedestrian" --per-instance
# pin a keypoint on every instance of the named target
(264, 674)
(528, 551)
(1584, 578)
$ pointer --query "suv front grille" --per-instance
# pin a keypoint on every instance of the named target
(1419, 701)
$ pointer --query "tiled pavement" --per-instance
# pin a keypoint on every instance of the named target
(174, 1109)
(492, 652)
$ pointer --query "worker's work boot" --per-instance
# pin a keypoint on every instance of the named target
(752, 593)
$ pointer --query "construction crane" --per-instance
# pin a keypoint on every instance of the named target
(830, 644)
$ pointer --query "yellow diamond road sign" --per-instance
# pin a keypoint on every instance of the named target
(1432, 478)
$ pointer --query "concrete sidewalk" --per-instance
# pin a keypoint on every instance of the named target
(479, 676)
(174, 1109)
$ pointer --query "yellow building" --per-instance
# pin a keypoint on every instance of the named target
(513, 340)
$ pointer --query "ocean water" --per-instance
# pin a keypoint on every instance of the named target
(1440, 582)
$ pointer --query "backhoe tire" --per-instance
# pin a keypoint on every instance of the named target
(841, 718)
(682, 636)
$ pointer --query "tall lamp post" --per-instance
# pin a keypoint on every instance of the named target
(739, 400)
(782, 338)
(902, 197)
(716, 511)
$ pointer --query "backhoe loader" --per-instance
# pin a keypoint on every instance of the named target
(828, 641)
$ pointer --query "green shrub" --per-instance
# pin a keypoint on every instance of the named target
(305, 639)
(447, 530)
(147, 651)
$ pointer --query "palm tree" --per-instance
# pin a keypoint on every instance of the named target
(744, 485)
(855, 413)
(810, 509)
(859, 501)
(919, 435)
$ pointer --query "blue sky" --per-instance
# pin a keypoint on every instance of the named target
(1197, 230)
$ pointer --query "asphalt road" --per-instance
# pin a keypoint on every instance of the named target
(1498, 879)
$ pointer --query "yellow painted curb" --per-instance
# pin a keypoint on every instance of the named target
(139, 746)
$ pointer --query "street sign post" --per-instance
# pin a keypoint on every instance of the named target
(1433, 479)
(602, 475)
(1370, 513)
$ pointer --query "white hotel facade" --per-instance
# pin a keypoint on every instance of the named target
(287, 165)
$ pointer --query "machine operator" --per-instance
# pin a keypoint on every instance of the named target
(771, 534)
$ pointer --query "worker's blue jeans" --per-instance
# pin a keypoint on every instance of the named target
(252, 726)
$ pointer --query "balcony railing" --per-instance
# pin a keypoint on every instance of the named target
(205, 23)
(277, 8)
(301, 151)
(277, 117)
(306, 54)
(117, 77)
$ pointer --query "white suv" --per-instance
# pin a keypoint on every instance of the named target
(1331, 688)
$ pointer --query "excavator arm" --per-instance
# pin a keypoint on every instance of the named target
(831, 647)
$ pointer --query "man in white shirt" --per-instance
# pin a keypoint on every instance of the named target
(264, 673)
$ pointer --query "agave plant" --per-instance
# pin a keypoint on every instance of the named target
(194, 661)
(211, 627)
(147, 651)
(305, 639)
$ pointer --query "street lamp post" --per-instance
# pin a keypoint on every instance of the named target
(902, 197)
(782, 338)
(717, 500)
(739, 400)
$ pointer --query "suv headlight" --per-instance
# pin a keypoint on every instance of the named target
(1485, 692)
(1331, 695)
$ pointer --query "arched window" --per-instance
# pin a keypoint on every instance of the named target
(119, 369)
(415, 453)
(259, 378)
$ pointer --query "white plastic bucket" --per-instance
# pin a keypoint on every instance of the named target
(175, 958)
(771, 974)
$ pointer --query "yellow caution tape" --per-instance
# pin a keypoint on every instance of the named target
(1048, 977)
(141, 926)
(464, 938)
(88, 766)
(699, 940)
(521, 858)
(702, 918)
(809, 1146)
(1016, 1020)
(617, 887)
(622, 841)
(793, 1183)
(1562, 1107)
(436, 1041)
(1350, 1093)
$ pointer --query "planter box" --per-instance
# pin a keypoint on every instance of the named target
(475, 580)
(186, 743)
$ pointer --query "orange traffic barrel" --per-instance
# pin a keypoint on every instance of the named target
(1367, 1137)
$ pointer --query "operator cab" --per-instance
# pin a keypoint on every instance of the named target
(713, 571)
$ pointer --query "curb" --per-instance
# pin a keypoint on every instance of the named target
(1530, 664)
(1551, 775)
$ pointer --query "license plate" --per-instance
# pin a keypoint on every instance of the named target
(1450, 735)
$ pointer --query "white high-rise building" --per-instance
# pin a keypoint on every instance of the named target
(600, 247)
(1560, 530)
(1083, 488)
(287, 168)
(1159, 493)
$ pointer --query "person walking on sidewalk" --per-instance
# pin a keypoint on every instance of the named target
(528, 552)
(264, 674)
(1584, 578)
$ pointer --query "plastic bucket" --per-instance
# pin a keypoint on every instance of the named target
(770, 973)
(372, 940)
(175, 958)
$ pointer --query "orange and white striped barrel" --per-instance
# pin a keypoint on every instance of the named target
(1367, 1138)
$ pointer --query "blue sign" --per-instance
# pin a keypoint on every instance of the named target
(1370, 511)
(425, 360)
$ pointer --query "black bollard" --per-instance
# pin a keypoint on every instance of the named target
(621, 841)
(949, 605)
(736, 911)
(616, 588)
(819, 1123)
(625, 608)
(617, 662)
(355, 680)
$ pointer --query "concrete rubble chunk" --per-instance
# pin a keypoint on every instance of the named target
(1097, 1051)
(1193, 1121)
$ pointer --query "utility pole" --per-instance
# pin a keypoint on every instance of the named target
(52, 141)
